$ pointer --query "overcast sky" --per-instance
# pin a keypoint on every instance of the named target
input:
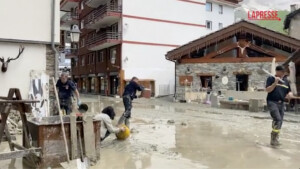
(270, 4)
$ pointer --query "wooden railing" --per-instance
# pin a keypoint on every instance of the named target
(100, 12)
(104, 36)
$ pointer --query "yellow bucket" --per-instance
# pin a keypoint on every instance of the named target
(123, 134)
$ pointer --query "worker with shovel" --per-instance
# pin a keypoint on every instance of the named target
(278, 89)
(128, 95)
(106, 117)
(65, 91)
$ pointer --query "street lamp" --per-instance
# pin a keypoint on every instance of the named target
(75, 33)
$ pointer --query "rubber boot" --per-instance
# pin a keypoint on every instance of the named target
(274, 139)
(277, 139)
(121, 120)
(127, 123)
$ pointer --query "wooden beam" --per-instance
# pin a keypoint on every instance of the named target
(231, 60)
(18, 153)
(221, 51)
(73, 129)
(17, 101)
(89, 137)
(266, 51)
(206, 74)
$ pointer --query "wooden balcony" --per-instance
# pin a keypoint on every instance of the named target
(104, 16)
(104, 40)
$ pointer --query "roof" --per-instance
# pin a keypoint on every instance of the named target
(241, 26)
(290, 16)
(293, 57)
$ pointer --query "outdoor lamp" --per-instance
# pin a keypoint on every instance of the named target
(75, 33)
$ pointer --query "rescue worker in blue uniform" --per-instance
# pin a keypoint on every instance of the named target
(128, 95)
(278, 89)
(66, 88)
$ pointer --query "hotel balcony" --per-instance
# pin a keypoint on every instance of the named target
(104, 40)
(95, 3)
(69, 19)
(104, 16)
(67, 5)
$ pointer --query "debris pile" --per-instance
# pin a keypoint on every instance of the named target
(14, 123)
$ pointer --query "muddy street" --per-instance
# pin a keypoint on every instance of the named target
(178, 135)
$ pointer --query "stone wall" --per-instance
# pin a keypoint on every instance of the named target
(256, 79)
(50, 69)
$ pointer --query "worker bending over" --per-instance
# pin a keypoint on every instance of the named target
(106, 117)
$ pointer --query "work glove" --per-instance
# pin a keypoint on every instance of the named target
(78, 102)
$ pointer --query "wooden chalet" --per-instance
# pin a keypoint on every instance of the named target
(238, 52)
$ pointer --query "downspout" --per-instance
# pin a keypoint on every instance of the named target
(175, 90)
(52, 38)
(175, 61)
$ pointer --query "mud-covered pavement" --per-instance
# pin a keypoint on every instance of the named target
(177, 135)
(169, 135)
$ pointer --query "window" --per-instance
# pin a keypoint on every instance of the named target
(209, 25)
(206, 81)
(82, 42)
(101, 56)
(220, 9)
(82, 5)
(220, 25)
(88, 60)
(82, 24)
(82, 61)
(92, 58)
(208, 6)
(113, 55)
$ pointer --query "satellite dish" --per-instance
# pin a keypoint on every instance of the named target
(225, 80)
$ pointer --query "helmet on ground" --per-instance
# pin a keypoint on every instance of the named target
(122, 135)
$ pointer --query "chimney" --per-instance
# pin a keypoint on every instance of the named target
(294, 7)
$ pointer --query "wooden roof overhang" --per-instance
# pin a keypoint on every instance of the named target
(223, 34)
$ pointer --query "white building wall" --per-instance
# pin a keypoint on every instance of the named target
(148, 61)
(28, 20)
(227, 18)
(18, 72)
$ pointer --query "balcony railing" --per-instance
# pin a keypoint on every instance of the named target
(101, 12)
(104, 36)
(70, 16)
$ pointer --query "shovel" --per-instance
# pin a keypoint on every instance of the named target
(69, 164)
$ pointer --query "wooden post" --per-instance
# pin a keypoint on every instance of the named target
(73, 129)
(89, 141)
(122, 82)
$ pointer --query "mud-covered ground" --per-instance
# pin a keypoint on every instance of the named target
(169, 135)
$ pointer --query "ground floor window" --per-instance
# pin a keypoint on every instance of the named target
(206, 82)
